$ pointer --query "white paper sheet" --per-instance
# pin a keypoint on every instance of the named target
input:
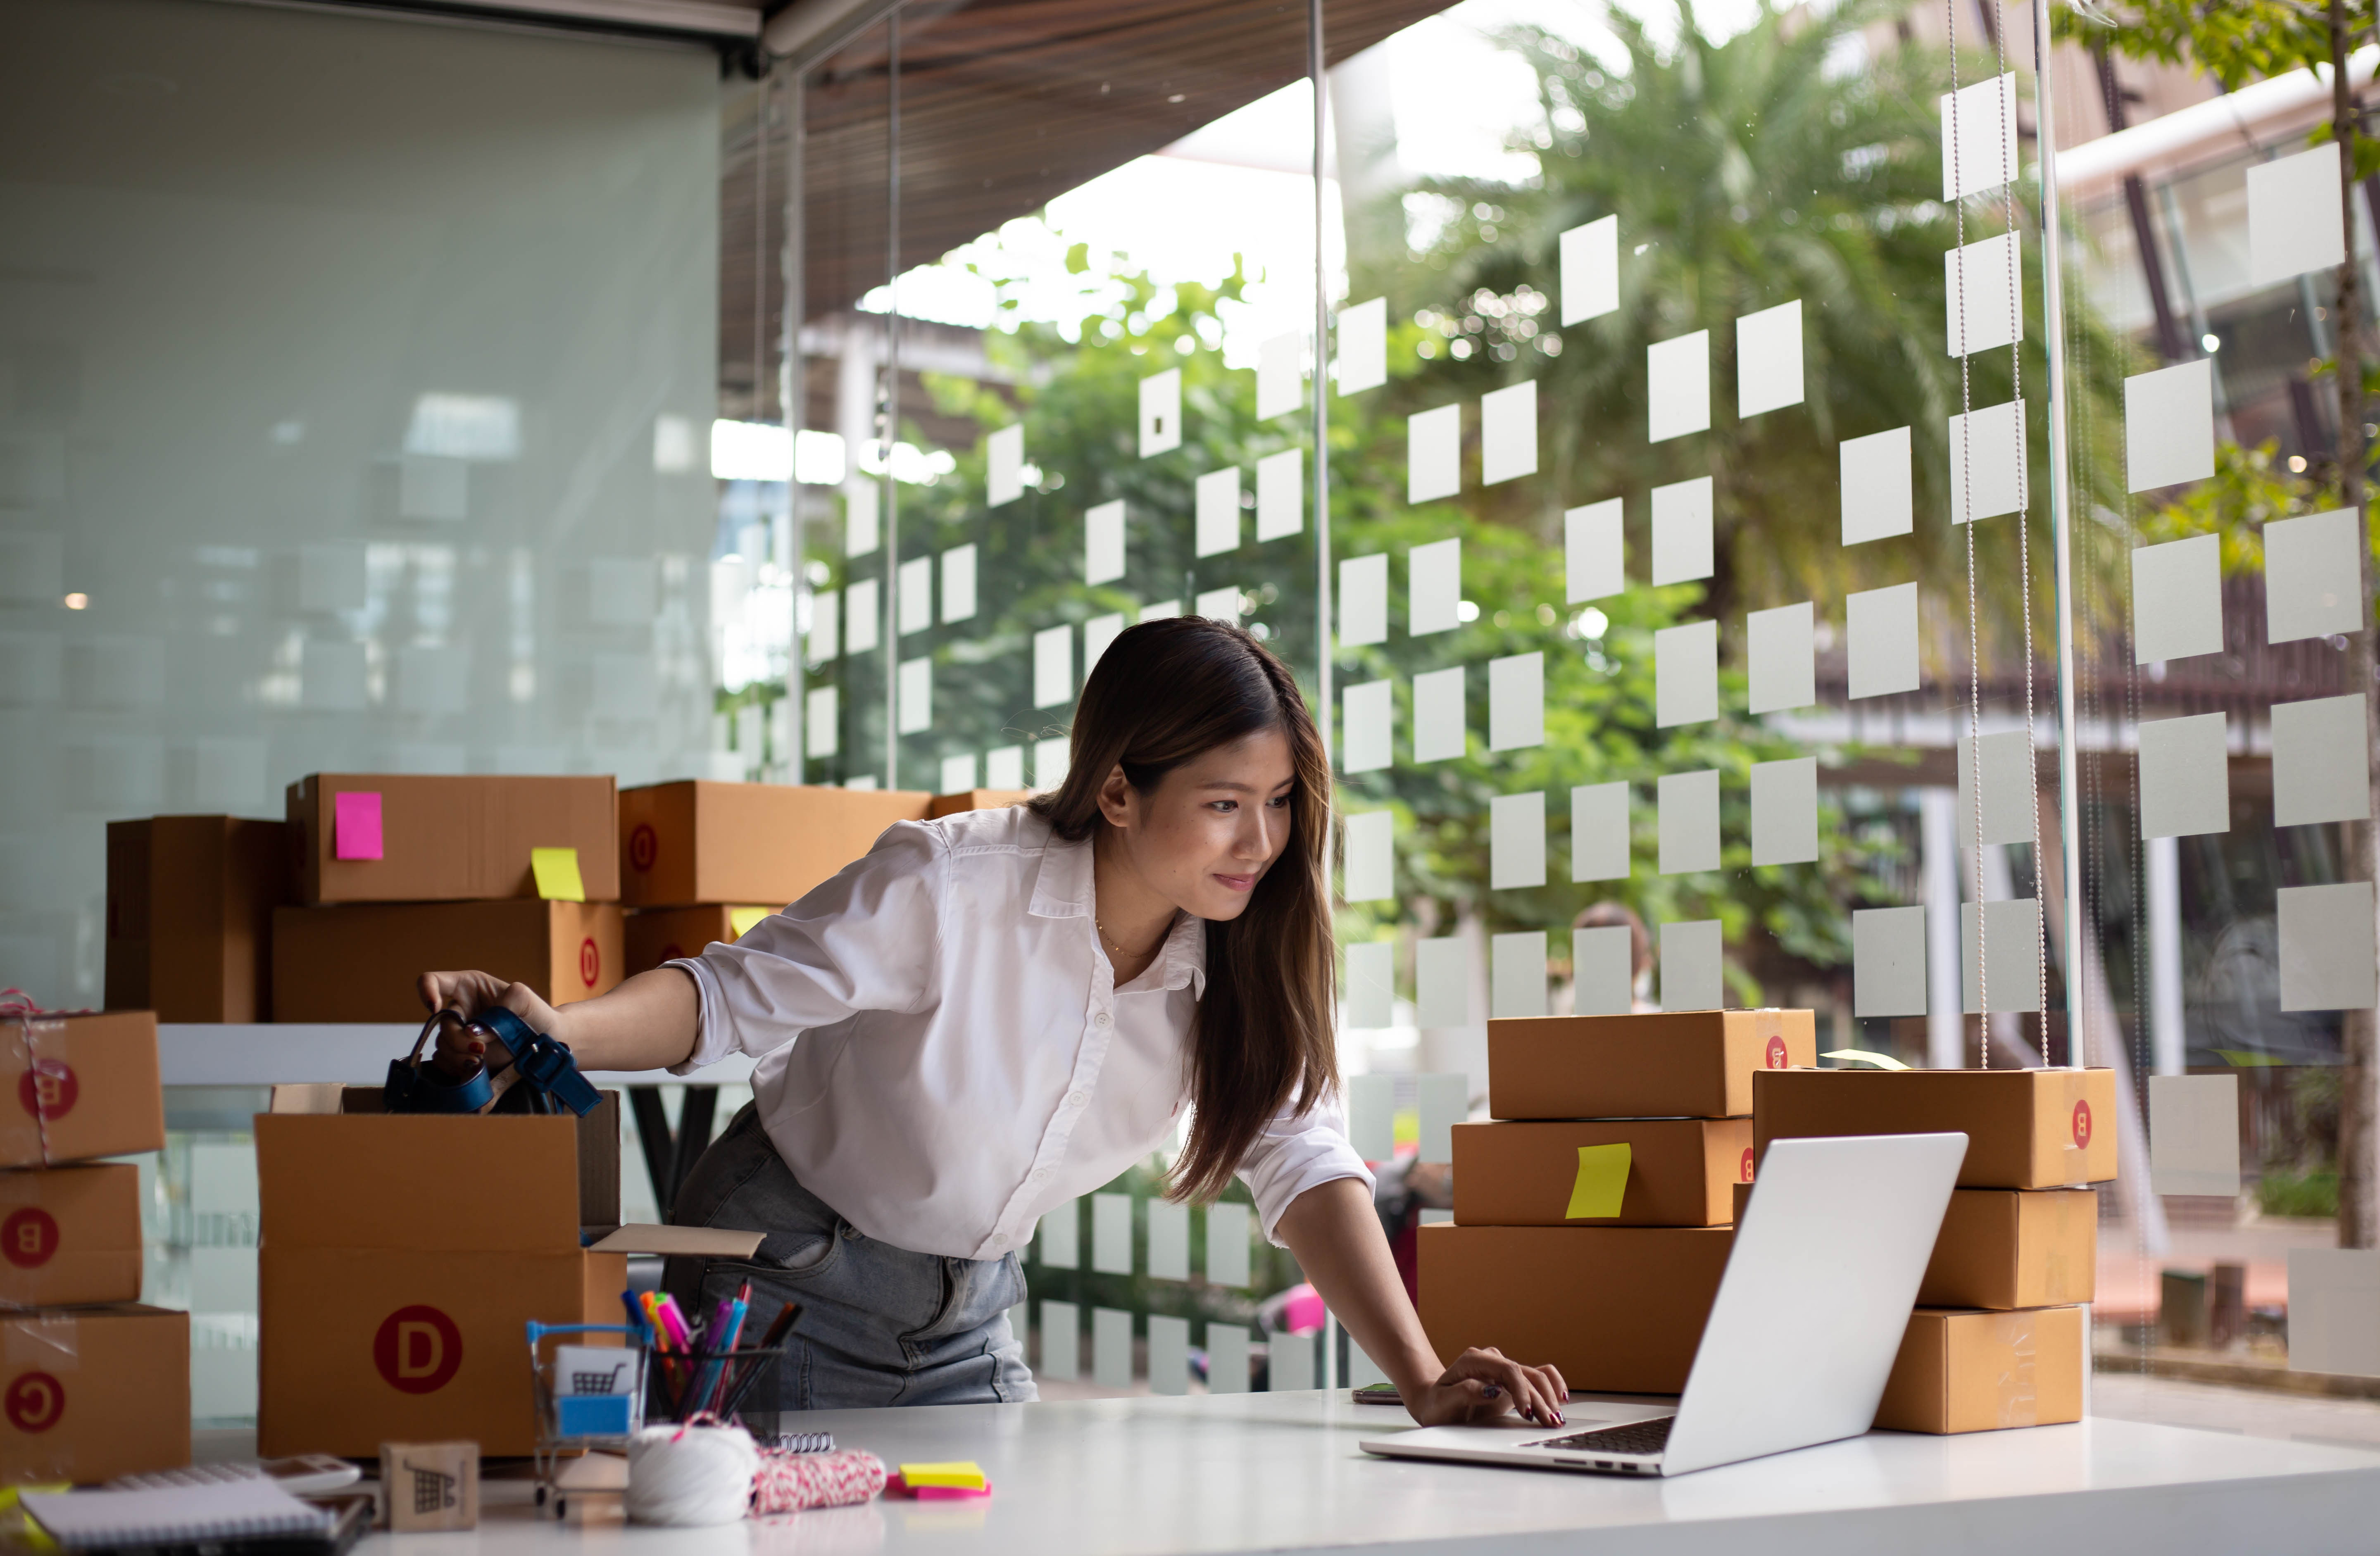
(2327, 954)
(1363, 346)
(1590, 271)
(1168, 1244)
(1987, 279)
(825, 639)
(1602, 976)
(2185, 777)
(1438, 714)
(1880, 628)
(1371, 985)
(1516, 841)
(1677, 386)
(1053, 666)
(1003, 479)
(958, 773)
(821, 721)
(1103, 543)
(1169, 1337)
(1217, 526)
(1681, 531)
(1111, 1348)
(1280, 494)
(2194, 1134)
(1507, 433)
(1441, 982)
(1689, 821)
(1003, 768)
(1061, 1341)
(1887, 961)
(2311, 586)
(2011, 934)
(1161, 412)
(2170, 425)
(1163, 610)
(1781, 652)
(1444, 1100)
(1599, 832)
(2293, 215)
(1995, 436)
(914, 697)
(1052, 758)
(1226, 1251)
(1227, 1359)
(1879, 496)
(1434, 454)
(1434, 586)
(1372, 1116)
(1979, 151)
(1219, 604)
(862, 533)
(1098, 633)
(917, 595)
(1691, 973)
(2007, 783)
(1685, 674)
(1516, 702)
(1363, 600)
(1367, 857)
(1768, 359)
(1366, 709)
(2178, 599)
(2335, 1310)
(1280, 375)
(1594, 551)
(958, 584)
(1517, 977)
(1112, 1233)
(1059, 1237)
(2322, 762)
(1785, 811)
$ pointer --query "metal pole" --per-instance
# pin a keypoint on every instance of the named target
(891, 601)
(793, 394)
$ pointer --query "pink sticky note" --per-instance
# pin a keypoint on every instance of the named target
(355, 825)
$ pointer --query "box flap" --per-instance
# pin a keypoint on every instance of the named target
(457, 1184)
(694, 1241)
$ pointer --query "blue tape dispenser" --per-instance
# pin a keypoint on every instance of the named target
(539, 1064)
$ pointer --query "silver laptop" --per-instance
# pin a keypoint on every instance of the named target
(1808, 1319)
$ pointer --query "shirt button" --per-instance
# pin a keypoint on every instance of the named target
(1103, 1019)
(1075, 1098)
(1041, 1174)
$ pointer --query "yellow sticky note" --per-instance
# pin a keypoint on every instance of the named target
(965, 1474)
(1602, 1182)
(557, 874)
(1861, 1056)
(741, 919)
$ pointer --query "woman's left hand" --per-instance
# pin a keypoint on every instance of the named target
(1482, 1384)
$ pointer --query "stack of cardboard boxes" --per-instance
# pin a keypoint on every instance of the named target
(93, 1384)
(208, 958)
(1998, 1338)
(1593, 1220)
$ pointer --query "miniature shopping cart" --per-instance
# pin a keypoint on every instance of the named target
(589, 1382)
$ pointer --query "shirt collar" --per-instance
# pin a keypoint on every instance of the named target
(1062, 889)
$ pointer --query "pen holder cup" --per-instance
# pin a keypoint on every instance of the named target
(738, 1385)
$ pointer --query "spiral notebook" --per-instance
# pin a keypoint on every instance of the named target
(175, 1515)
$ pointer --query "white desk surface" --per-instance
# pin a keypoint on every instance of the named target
(276, 1053)
(1271, 1472)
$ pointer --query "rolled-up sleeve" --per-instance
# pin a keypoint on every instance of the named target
(869, 939)
(1295, 1152)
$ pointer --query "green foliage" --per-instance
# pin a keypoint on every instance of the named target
(2289, 1193)
(2249, 490)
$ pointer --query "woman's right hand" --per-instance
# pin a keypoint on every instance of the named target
(462, 1049)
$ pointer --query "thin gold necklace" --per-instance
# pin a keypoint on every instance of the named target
(1117, 946)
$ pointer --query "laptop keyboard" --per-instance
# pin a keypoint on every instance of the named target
(1635, 1437)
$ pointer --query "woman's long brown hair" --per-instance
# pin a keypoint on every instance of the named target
(1164, 693)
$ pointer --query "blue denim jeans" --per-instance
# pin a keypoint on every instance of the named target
(879, 1325)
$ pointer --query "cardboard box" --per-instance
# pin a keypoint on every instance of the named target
(697, 842)
(1617, 1308)
(210, 959)
(2024, 1128)
(1680, 1171)
(70, 1235)
(664, 934)
(90, 1394)
(1976, 1373)
(1697, 1064)
(975, 800)
(2006, 1249)
(452, 838)
(73, 1088)
(359, 962)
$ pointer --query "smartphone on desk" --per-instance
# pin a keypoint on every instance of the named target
(1378, 1393)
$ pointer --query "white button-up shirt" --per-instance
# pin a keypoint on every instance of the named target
(945, 1055)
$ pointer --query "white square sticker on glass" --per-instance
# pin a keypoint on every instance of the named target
(2169, 426)
(2322, 762)
(1363, 346)
(1442, 1101)
(2311, 583)
(1516, 841)
(1986, 292)
(1518, 976)
(1691, 971)
(1004, 478)
(820, 720)
(1059, 1237)
(1161, 412)
(1507, 433)
(1441, 982)
(861, 531)
(1768, 359)
(1599, 832)
(1061, 1341)
(1602, 968)
(1433, 454)
(1112, 1233)
(2010, 935)
(1689, 821)
(1979, 137)
(1590, 271)
(1053, 666)
(1219, 604)
(1098, 633)
(2185, 776)
(2294, 216)
(958, 773)
(1372, 1116)
(2327, 952)
(1992, 441)
(1052, 758)
(1227, 1358)
(1594, 551)
(1880, 626)
(1290, 1364)
(1438, 714)
(2178, 599)
(1112, 1347)
(1681, 531)
(1217, 527)
(1280, 375)
(1368, 856)
(2335, 1311)
(1887, 961)
(2007, 803)
(1366, 713)
(826, 627)
(1003, 768)
(914, 697)
(1879, 495)
(1169, 1242)
(1685, 674)
(2194, 1134)
(1169, 1338)
(1785, 811)
(1781, 652)
(1371, 985)
(1363, 600)
(1677, 386)
(958, 584)
(1434, 586)
(1227, 1249)
(1280, 494)
(917, 594)
(1103, 543)
(1516, 702)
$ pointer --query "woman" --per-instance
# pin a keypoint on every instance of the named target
(996, 1012)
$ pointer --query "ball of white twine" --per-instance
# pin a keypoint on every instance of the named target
(690, 1477)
